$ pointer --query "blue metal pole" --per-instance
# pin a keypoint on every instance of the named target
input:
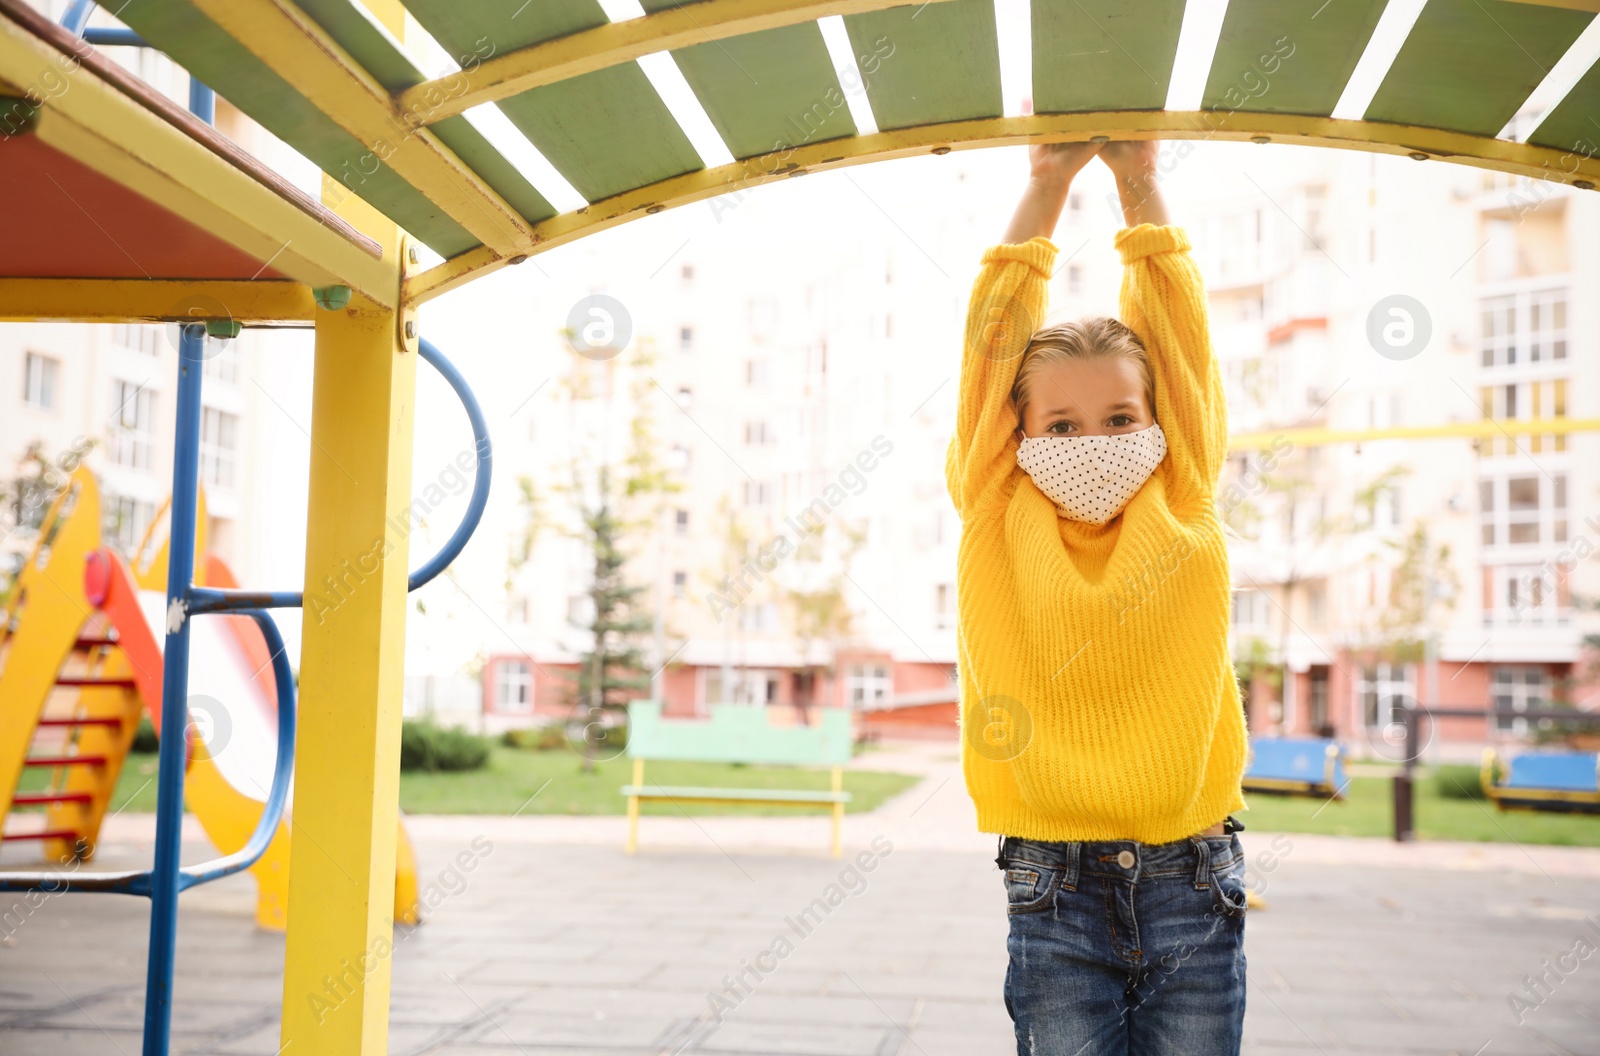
(165, 881)
(77, 14)
(202, 101)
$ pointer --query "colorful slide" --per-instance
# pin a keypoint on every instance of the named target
(80, 661)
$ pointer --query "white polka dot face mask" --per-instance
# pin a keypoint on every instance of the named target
(1090, 478)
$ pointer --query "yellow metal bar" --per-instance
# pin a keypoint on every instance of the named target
(614, 43)
(633, 807)
(286, 39)
(347, 774)
(153, 300)
(1573, 168)
(838, 813)
(99, 126)
(1480, 428)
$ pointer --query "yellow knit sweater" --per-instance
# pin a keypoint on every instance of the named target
(1098, 696)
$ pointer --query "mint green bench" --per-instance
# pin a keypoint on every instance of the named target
(737, 733)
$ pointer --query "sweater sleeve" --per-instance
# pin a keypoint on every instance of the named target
(1007, 305)
(1164, 302)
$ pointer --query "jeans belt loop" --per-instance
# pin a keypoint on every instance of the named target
(1069, 876)
(1202, 869)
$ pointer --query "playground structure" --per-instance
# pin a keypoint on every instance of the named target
(82, 664)
(225, 242)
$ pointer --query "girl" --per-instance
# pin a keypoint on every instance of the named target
(1104, 740)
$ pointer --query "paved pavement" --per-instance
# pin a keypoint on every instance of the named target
(557, 943)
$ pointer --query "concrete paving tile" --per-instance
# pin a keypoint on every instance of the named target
(791, 1039)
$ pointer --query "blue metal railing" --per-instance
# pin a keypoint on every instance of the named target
(167, 878)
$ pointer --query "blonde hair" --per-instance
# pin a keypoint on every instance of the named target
(1097, 337)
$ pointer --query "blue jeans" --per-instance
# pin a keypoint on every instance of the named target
(1125, 948)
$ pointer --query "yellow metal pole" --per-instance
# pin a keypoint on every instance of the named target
(347, 762)
(347, 772)
(633, 807)
(838, 811)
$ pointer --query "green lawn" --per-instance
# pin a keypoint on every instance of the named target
(1368, 810)
(512, 776)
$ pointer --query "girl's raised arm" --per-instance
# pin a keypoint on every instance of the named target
(1164, 302)
(1007, 305)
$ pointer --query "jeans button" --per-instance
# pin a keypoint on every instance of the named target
(1125, 859)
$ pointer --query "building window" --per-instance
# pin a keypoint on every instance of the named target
(124, 520)
(132, 424)
(1515, 688)
(687, 274)
(513, 686)
(867, 685)
(1527, 595)
(1523, 509)
(1074, 278)
(941, 606)
(1250, 609)
(219, 440)
(680, 584)
(760, 433)
(1321, 725)
(680, 522)
(757, 493)
(1385, 691)
(685, 397)
(749, 686)
(1541, 336)
(680, 458)
(39, 377)
(685, 339)
(140, 338)
(760, 617)
(757, 373)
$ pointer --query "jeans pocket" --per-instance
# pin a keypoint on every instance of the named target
(1029, 886)
(1228, 887)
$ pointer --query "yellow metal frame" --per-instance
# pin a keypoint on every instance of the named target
(1484, 427)
(147, 300)
(612, 44)
(1543, 163)
(283, 37)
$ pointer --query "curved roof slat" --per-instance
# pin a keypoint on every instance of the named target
(935, 63)
(766, 90)
(1574, 124)
(606, 132)
(1468, 65)
(1291, 57)
(371, 45)
(1103, 54)
(219, 60)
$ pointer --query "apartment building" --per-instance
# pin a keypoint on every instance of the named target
(1394, 571)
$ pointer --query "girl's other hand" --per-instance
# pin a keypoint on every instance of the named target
(1131, 157)
(1058, 163)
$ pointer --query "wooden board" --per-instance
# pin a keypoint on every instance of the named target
(1469, 64)
(1103, 54)
(935, 62)
(201, 47)
(766, 91)
(606, 131)
(371, 45)
(1288, 56)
